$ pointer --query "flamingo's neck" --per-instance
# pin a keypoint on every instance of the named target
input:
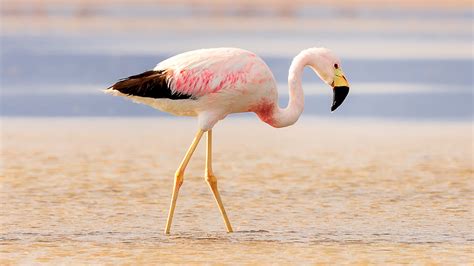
(283, 117)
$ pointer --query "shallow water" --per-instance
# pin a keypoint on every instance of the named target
(97, 190)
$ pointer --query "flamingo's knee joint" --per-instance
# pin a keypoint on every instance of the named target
(178, 178)
(211, 179)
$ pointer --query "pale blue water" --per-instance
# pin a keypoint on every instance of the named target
(27, 76)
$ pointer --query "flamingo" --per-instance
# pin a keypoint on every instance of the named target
(212, 83)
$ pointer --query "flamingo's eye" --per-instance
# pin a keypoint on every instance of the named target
(336, 66)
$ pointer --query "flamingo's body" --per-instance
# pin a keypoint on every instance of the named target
(212, 83)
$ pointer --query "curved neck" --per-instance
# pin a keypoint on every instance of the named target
(283, 117)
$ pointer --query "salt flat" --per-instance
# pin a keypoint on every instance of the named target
(83, 190)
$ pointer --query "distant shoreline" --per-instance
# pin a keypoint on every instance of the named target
(249, 3)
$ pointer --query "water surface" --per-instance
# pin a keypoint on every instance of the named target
(88, 190)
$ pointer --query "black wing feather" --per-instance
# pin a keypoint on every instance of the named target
(151, 84)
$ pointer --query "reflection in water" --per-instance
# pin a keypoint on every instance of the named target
(78, 190)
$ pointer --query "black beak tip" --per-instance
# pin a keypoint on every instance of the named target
(339, 95)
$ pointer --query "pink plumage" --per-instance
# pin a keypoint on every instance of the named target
(207, 71)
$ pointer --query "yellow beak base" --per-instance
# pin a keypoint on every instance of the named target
(339, 79)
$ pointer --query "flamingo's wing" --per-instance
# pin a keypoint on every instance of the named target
(192, 74)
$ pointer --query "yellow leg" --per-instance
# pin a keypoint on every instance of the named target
(178, 178)
(212, 181)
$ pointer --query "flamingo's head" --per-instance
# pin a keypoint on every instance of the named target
(328, 67)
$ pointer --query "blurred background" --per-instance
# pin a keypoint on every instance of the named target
(404, 59)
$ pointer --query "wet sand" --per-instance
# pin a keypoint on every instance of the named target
(78, 191)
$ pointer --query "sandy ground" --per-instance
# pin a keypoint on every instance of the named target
(78, 191)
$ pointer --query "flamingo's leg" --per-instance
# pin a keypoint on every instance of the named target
(212, 181)
(178, 178)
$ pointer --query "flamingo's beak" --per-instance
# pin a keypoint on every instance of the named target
(340, 88)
